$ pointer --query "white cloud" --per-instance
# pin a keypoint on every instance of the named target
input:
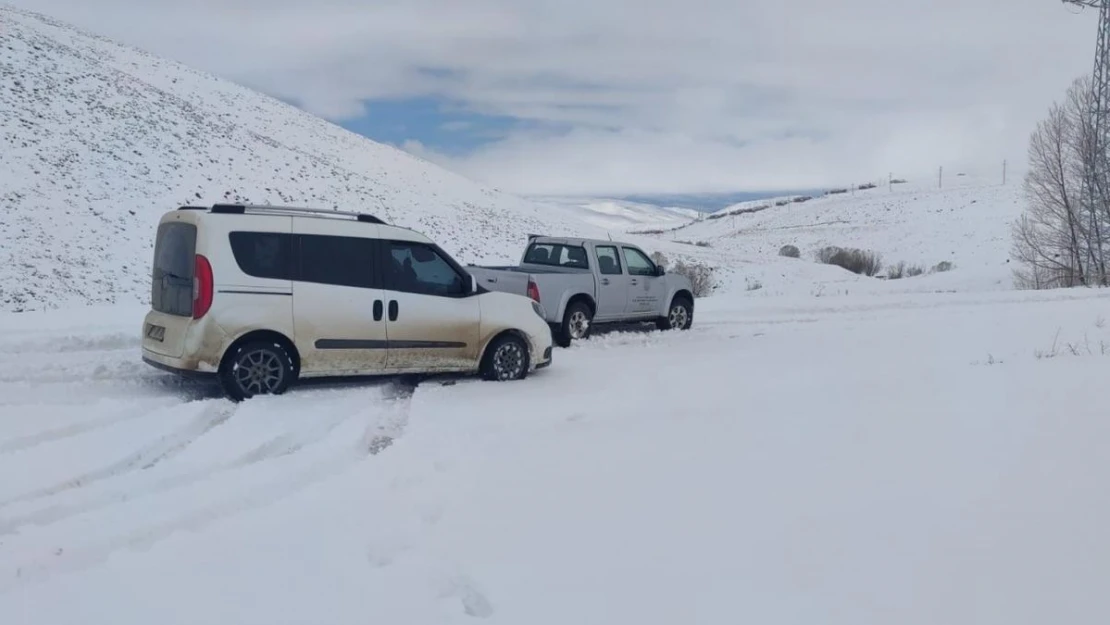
(665, 96)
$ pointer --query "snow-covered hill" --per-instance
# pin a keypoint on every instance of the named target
(625, 215)
(966, 223)
(99, 139)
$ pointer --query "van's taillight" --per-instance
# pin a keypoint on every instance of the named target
(533, 290)
(202, 287)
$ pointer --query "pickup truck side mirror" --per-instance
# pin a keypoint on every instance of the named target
(660, 270)
(471, 284)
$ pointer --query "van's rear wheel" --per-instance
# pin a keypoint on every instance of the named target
(506, 359)
(256, 368)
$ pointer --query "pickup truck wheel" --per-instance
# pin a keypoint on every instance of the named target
(506, 359)
(679, 316)
(576, 323)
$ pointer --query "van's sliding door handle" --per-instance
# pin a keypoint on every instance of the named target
(393, 310)
(377, 310)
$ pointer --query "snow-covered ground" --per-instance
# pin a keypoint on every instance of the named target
(821, 447)
(928, 458)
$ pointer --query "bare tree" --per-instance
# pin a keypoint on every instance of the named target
(1060, 240)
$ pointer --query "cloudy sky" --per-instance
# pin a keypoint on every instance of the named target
(640, 97)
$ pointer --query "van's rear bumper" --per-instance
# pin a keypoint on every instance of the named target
(178, 366)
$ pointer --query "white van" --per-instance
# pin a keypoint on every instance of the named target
(259, 296)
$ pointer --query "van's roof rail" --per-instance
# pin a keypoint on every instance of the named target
(262, 209)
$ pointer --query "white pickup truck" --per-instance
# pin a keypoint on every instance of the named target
(580, 282)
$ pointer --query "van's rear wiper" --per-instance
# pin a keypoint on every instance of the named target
(170, 274)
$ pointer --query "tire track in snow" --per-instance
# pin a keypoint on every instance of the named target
(377, 436)
(211, 416)
(276, 447)
(65, 344)
(29, 441)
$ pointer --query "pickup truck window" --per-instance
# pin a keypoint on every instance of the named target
(557, 255)
(638, 263)
(608, 262)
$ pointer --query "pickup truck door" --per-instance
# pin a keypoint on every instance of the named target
(612, 283)
(646, 290)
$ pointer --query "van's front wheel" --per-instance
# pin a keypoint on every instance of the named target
(506, 359)
(257, 368)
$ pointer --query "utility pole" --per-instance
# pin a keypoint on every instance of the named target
(940, 177)
(1095, 166)
(1003, 172)
(890, 182)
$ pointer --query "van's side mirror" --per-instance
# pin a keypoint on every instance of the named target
(471, 284)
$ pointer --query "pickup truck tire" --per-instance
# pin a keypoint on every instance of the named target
(576, 325)
(506, 359)
(679, 316)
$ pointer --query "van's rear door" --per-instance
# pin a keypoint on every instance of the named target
(171, 288)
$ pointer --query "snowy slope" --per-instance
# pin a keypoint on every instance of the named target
(100, 139)
(625, 215)
(911, 459)
(967, 222)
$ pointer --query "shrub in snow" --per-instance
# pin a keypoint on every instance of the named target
(943, 266)
(700, 276)
(901, 270)
(659, 259)
(862, 262)
(790, 251)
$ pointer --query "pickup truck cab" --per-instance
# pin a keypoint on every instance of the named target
(582, 282)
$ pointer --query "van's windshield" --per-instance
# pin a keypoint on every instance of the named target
(171, 289)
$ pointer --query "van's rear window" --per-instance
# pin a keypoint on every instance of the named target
(171, 289)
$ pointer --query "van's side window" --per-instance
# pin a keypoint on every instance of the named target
(342, 261)
(263, 254)
(419, 268)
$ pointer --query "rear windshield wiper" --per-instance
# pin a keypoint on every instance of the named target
(174, 276)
